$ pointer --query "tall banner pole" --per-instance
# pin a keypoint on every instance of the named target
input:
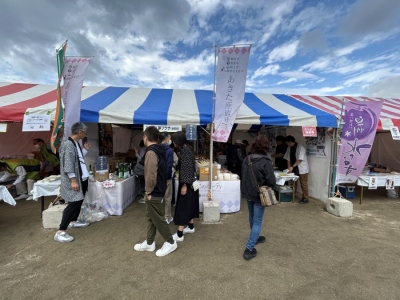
(337, 138)
(212, 128)
(58, 124)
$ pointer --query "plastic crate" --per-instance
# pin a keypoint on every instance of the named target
(285, 193)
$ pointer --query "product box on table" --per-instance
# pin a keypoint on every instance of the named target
(205, 173)
(101, 163)
(101, 175)
(380, 170)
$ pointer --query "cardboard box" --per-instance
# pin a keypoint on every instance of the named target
(205, 173)
(380, 170)
(101, 175)
(121, 154)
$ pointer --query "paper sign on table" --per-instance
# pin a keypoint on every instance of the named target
(310, 131)
(389, 184)
(394, 130)
(36, 122)
(373, 183)
(3, 127)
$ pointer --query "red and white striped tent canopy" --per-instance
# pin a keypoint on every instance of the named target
(180, 107)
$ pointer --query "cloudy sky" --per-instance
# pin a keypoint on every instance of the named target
(326, 47)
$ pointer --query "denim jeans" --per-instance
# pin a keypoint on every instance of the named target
(256, 215)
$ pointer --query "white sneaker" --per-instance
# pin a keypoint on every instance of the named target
(188, 230)
(141, 200)
(169, 220)
(29, 198)
(145, 247)
(63, 237)
(20, 197)
(166, 249)
(177, 238)
(78, 224)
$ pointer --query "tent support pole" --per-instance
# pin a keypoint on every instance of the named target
(211, 162)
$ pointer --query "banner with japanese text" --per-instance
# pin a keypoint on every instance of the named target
(230, 88)
(74, 73)
(358, 133)
(57, 133)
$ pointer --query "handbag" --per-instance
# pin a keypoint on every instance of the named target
(267, 194)
(196, 183)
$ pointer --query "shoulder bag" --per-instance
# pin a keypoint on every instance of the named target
(267, 195)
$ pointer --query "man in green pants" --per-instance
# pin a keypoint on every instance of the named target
(155, 175)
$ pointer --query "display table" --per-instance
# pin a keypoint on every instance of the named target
(117, 198)
(6, 196)
(364, 179)
(45, 188)
(281, 179)
(226, 193)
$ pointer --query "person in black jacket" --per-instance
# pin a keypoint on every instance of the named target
(264, 173)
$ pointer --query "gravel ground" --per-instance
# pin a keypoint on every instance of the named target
(309, 254)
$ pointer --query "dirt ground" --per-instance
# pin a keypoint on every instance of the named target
(309, 254)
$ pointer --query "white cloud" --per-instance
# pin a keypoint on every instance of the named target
(369, 77)
(298, 75)
(386, 88)
(268, 70)
(283, 52)
(286, 81)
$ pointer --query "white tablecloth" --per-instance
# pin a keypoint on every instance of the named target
(363, 180)
(46, 188)
(117, 198)
(6, 196)
(280, 180)
(226, 193)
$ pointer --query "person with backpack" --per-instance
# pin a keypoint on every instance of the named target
(138, 170)
(155, 173)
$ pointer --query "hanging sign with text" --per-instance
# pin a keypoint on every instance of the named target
(36, 122)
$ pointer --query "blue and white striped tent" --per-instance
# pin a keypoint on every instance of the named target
(120, 105)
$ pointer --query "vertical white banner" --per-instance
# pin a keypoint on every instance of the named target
(73, 74)
(230, 88)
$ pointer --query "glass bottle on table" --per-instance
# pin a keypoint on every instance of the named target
(90, 170)
(110, 172)
(116, 169)
(121, 171)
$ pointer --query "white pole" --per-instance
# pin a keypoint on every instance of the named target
(212, 129)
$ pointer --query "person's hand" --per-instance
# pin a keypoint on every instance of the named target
(9, 186)
(183, 190)
(290, 169)
(87, 146)
(148, 197)
(74, 185)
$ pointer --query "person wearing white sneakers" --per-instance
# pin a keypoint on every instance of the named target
(74, 181)
(155, 175)
(187, 203)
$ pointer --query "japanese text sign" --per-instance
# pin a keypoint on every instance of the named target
(358, 134)
(166, 128)
(230, 88)
(394, 130)
(36, 122)
(310, 131)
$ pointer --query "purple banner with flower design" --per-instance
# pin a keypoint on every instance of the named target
(358, 133)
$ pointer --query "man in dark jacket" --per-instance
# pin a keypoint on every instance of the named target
(155, 174)
(165, 139)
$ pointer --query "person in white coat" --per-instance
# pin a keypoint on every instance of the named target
(297, 163)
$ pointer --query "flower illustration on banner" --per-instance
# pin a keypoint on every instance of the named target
(361, 121)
